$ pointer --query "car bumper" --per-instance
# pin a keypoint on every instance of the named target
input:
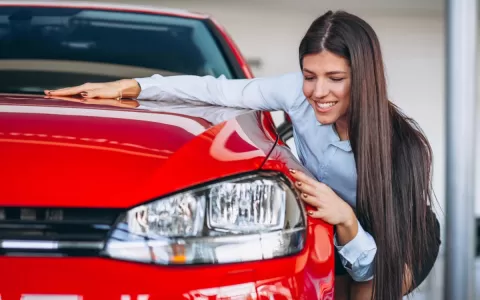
(308, 275)
(96, 278)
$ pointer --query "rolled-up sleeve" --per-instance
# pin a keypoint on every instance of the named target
(267, 93)
(357, 256)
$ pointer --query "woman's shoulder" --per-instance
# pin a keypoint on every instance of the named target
(292, 81)
(290, 86)
(285, 88)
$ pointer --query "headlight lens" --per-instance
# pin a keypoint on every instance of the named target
(249, 218)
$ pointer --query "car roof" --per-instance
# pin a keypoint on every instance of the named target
(109, 6)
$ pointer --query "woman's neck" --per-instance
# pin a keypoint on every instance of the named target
(341, 126)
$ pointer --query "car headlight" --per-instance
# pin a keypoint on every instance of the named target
(248, 218)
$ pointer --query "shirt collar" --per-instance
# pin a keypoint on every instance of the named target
(335, 139)
(344, 145)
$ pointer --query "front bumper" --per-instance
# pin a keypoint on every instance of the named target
(308, 275)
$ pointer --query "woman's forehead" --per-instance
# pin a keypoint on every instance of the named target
(325, 62)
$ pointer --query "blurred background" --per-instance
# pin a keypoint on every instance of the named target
(412, 35)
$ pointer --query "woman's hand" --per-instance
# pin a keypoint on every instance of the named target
(126, 103)
(125, 88)
(329, 206)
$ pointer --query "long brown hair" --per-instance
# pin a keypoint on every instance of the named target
(393, 157)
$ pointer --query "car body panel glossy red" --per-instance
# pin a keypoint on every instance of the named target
(59, 153)
(66, 154)
(122, 156)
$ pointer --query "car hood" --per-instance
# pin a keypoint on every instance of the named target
(64, 153)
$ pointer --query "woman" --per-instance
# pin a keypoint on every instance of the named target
(370, 161)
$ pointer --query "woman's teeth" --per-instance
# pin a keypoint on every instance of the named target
(325, 105)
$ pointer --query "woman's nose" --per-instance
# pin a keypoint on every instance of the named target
(321, 90)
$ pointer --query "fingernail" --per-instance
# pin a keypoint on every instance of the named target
(292, 171)
(304, 195)
(310, 212)
(84, 94)
(299, 183)
(48, 92)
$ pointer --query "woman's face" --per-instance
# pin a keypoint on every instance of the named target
(326, 85)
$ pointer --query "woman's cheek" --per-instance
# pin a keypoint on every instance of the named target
(342, 91)
(308, 88)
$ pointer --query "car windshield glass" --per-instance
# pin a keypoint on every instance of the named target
(46, 48)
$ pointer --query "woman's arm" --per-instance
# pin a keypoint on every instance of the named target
(356, 247)
(358, 253)
(268, 93)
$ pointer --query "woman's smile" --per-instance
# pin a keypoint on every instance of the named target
(324, 107)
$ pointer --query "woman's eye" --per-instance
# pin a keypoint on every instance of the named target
(309, 78)
(336, 79)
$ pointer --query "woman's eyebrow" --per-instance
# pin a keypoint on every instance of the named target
(308, 71)
(336, 72)
(328, 73)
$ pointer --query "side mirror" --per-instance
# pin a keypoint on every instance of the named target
(285, 132)
(285, 129)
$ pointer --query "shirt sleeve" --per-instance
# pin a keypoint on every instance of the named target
(357, 256)
(268, 93)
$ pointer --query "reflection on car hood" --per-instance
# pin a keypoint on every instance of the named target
(64, 153)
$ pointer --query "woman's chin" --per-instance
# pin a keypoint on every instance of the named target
(326, 120)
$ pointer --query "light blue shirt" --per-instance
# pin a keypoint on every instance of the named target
(319, 147)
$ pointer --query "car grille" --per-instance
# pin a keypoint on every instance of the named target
(54, 231)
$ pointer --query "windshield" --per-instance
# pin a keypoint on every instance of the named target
(49, 48)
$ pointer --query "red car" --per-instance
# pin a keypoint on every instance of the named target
(141, 200)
